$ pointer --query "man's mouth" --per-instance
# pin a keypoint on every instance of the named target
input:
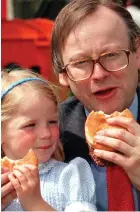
(105, 94)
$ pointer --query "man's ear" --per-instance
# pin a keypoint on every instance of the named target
(63, 79)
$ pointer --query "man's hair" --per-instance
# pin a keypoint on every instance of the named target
(15, 97)
(74, 13)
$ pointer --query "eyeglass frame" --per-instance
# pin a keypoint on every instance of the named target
(64, 68)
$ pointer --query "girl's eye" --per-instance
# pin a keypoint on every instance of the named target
(52, 122)
(29, 125)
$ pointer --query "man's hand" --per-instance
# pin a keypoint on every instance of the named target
(7, 190)
(127, 142)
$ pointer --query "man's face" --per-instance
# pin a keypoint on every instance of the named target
(102, 31)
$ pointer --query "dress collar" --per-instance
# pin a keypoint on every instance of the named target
(46, 166)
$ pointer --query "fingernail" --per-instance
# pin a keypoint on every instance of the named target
(109, 119)
(98, 137)
(15, 167)
(100, 132)
(97, 152)
(10, 174)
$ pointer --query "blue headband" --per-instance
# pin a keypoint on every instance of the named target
(18, 83)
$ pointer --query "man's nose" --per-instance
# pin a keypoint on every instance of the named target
(99, 73)
(44, 132)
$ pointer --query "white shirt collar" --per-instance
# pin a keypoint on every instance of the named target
(133, 108)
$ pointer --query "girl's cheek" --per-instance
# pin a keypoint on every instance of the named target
(27, 138)
(55, 132)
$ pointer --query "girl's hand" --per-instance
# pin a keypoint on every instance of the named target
(8, 192)
(25, 180)
(125, 141)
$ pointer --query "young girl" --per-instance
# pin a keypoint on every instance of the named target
(30, 121)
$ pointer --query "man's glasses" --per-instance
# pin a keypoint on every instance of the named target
(110, 61)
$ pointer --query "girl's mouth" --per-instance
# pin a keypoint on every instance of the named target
(44, 147)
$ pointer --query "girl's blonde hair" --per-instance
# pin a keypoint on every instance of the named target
(14, 98)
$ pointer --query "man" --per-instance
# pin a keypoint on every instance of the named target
(96, 52)
(100, 65)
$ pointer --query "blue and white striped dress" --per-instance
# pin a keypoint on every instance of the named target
(65, 187)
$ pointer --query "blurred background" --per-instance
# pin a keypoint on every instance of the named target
(26, 34)
(26, 28)
(27, 9)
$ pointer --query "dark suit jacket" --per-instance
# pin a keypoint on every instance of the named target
(72, 135)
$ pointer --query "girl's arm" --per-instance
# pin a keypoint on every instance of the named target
(77, 185)
(40, 205)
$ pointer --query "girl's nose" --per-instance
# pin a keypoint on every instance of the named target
(44, 132)
(99, 73)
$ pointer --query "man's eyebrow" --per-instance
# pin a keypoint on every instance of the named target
(79, 56)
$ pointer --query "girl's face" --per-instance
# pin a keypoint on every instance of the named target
(34, 125)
